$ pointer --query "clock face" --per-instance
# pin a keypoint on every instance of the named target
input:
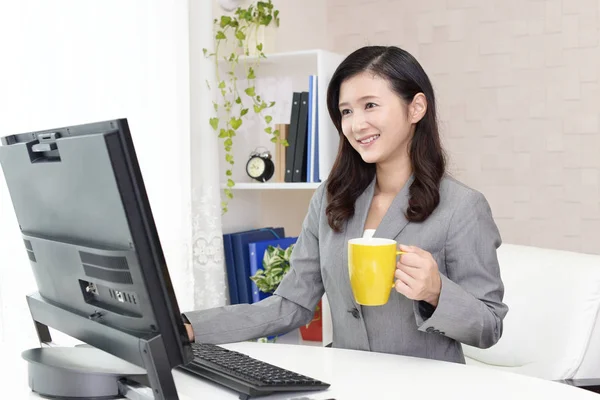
(256, 167)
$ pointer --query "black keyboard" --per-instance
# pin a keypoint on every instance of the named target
(245, 374)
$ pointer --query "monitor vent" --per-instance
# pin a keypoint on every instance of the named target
(122, 296)
(29, 248)
(98, 260)
(108, 275)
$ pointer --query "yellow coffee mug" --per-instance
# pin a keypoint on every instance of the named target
(372, 264)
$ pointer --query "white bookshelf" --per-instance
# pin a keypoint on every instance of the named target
(278, 76)
(281, 203)
(257, 204)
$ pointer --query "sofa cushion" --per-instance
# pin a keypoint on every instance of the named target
(553, 298)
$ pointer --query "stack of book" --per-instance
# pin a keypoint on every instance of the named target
(299, 161)
(244, 252)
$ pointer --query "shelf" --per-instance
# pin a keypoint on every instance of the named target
(274, 186)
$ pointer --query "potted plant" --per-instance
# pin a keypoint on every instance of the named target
(239, 35)
(276, 263)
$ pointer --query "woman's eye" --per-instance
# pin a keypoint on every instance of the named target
(370, 105)
(345, 111)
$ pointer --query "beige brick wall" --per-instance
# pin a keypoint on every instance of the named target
(518, 88)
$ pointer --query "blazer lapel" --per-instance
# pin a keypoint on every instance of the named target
(356, 224)
(394, 220)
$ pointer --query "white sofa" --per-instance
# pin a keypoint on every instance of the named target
(552, 329)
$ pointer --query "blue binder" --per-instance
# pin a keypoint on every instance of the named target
(230, 269)
(242, 259)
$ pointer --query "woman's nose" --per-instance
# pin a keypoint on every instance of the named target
(358, 122)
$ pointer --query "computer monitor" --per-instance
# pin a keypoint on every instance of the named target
(88, 231)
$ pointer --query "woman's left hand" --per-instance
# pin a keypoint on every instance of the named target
(417, 275)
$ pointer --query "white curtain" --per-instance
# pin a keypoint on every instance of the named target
(208, 264)
(69, 61)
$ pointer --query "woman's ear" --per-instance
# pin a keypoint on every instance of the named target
(417, 108)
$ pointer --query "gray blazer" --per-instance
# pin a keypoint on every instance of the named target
(460, 234)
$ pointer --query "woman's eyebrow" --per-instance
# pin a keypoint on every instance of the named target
(367, 97)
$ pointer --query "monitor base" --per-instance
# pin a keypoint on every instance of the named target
(78, 372)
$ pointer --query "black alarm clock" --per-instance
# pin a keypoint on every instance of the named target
(260, 167)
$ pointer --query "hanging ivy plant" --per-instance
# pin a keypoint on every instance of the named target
(241, 29)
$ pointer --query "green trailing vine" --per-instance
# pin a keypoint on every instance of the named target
(233, 107)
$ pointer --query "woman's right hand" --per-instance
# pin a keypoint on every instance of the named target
(190, 331)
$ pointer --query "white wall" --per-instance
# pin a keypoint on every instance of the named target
(518, 88)
(69, 62)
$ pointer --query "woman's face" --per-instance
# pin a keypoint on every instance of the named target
(376, 121)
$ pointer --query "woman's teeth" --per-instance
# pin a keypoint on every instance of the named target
(369, 140)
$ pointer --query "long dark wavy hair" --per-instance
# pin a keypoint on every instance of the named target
(350, 175)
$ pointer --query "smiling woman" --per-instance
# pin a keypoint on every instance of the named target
(389, 179)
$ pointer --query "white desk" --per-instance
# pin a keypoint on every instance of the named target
(352, 375)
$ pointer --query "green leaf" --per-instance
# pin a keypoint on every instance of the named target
(251, 91)
(229, 194)
(244, 112)
(238, 100)
(230, 183)
(229, 158)
(285, 142)
(271, 104)
(222, 85)
(265, 20)
(268, 129)
(223, 133)
(228, 172)
(268, 119)
(274, 139)
(228, 142)
(220, 35)
(231, 133)
(235, 122)
(204, 51)
(259, 47)
(225, 20)
(214, 122)
(288, 252)
(251, 74)
(239, 34)
(215, 106)
(257, 108)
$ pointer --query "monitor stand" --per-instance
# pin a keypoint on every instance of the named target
(88, 371)
(81, 372)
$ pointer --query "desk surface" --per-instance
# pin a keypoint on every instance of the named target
(352, 375)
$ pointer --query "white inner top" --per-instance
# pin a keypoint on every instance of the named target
(369, 233)
(368, 239)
